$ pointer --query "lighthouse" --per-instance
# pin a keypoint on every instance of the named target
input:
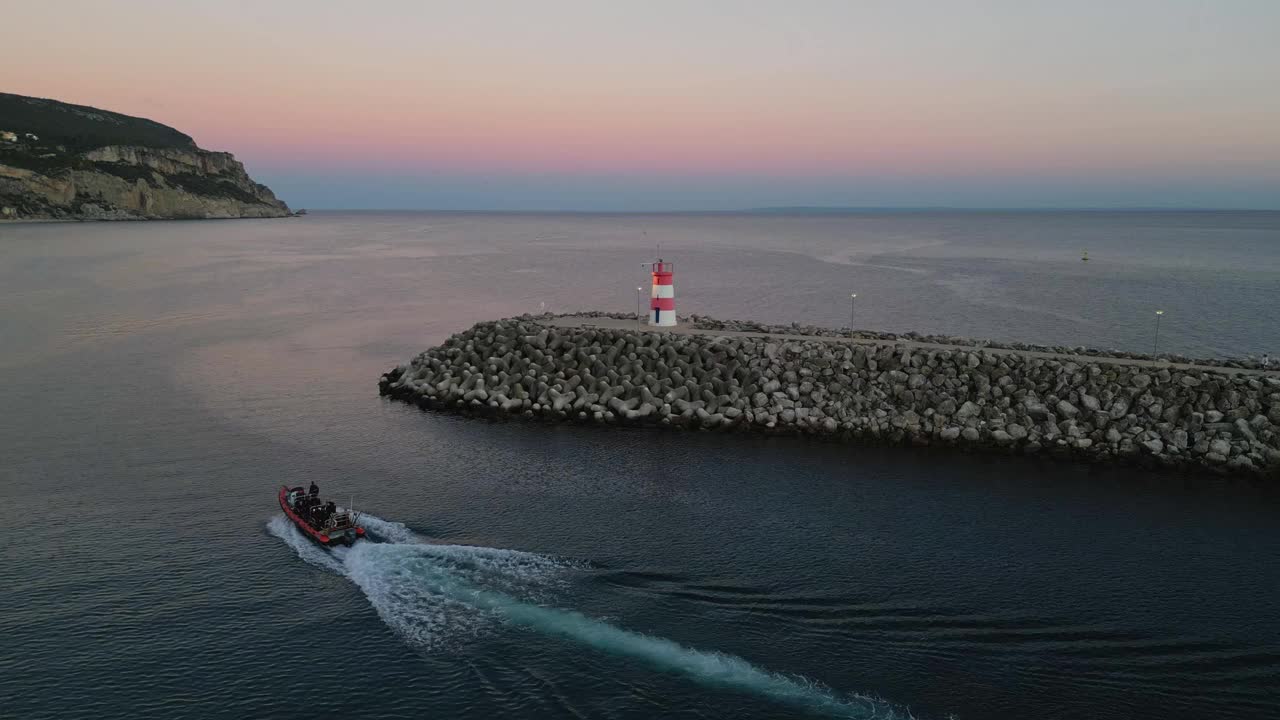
(662, 298)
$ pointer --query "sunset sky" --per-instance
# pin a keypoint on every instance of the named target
(600, 105)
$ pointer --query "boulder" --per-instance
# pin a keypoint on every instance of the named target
(1037, 411)
(1245, 431)
(1119, 408)
(1240, 462)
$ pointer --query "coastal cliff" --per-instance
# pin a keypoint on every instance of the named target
(1099, 409)
(71, 162)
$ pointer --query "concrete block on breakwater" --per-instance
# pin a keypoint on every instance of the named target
(597, 368)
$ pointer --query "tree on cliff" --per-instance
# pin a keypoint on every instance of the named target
(80, 128)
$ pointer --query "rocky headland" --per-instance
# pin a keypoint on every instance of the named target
(71, 162)
(855, 389)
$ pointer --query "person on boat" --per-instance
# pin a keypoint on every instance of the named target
(315, 489)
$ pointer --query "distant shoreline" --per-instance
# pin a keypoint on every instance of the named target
(44, 221)
(783, 211)
(818, 210)
(758, 212)
(88, 220)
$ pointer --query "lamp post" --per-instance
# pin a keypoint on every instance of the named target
(1156, 344)
(853, 298)
(639, 290)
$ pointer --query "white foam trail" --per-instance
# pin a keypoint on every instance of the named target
(307, 550)
(514, 564)
(433, 594)
(388, 530)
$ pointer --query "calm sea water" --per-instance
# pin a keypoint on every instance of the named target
(158, 381)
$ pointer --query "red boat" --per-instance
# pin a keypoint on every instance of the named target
(322, 521)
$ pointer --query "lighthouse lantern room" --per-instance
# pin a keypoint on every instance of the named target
(662, 298)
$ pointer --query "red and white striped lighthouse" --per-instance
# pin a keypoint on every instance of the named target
(662, 299)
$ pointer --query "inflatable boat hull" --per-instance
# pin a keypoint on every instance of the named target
(327, 538)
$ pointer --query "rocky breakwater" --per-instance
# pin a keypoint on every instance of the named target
(884, 392)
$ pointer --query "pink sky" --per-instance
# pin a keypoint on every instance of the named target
(818, 90)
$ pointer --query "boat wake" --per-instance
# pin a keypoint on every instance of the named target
(433, 594)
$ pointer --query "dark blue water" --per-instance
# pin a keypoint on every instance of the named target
(158, 381)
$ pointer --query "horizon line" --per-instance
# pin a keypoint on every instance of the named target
(804, 209)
